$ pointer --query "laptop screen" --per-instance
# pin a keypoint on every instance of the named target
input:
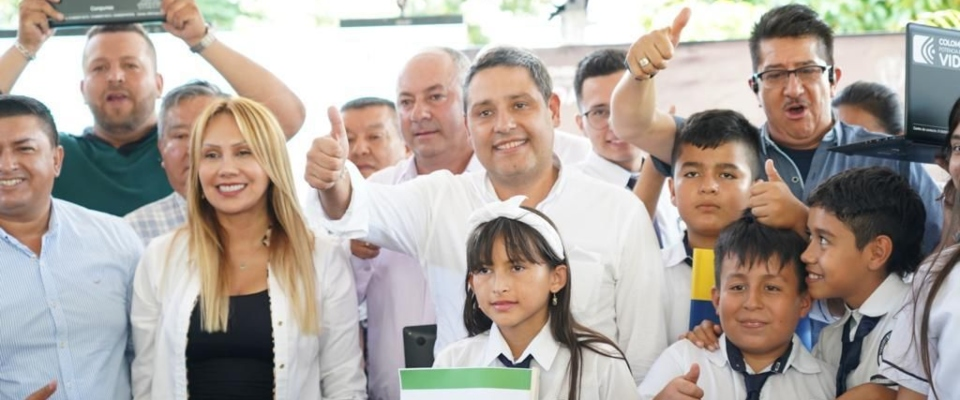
(933, 81)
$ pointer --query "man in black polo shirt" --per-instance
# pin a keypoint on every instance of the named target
(115, 165)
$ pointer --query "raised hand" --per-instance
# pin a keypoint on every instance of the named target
(34, 25)
(328, 154)
(774, 204)
(184, 20)
(649, 54)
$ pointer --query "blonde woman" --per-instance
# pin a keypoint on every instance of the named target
(243, 302)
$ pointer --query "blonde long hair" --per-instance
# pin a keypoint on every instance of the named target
(291, 242)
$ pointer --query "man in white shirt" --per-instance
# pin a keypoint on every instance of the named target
(393, 284)
(616, 269)
(611, 159)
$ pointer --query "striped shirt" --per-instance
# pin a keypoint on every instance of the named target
(65, 314)
(159, 217)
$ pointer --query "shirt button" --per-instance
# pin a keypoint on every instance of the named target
(63, 344)
(795, 179)
(279, 323)
(281, 366)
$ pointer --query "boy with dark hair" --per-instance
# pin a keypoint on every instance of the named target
(760, 297)
(865, 226)
(716, 163)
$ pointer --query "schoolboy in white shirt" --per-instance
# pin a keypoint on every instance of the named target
(866, 226)
(760, 297)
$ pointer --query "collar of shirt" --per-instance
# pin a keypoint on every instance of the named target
(543, 347)
(885, 299)
(53, 228)
(604, 170)
(489, 194)
(679, 253)
(128, 148)
(408, 168)
(799, 359)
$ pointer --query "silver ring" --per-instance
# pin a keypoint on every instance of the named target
(644, 62)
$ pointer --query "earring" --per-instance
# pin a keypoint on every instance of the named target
(554, 301)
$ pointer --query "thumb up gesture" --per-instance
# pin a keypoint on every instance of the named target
(649, 54)
(327, 155)
(683, 387)
(774, 205)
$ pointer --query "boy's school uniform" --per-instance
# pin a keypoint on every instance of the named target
(803, 377)
(882, 304)
(677, 275)
(602, 377)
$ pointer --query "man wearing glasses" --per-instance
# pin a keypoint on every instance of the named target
(794, 80)
(613, 160)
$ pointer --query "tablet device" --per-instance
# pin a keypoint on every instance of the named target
(99, 12)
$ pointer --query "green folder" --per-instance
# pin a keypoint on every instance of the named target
(469, 383)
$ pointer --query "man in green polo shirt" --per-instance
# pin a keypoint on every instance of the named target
(114, 166)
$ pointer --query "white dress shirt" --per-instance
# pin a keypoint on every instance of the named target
(571, 148)
(901, 360)
(616, 271)
(166, 289)
(396, 293)
(676, 293)
(667, 217)
(884, 303)
(804, 378)
(602, 377)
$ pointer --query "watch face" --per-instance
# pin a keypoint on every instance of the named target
(96, 12)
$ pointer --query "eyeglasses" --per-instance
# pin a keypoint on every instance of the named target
(598, 118)
(776, 78)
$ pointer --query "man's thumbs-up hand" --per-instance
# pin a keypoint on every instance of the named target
(649, 54)
(328, 154)
(773, 204)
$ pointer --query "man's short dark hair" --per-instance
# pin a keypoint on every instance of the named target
(749, 242)
(118, 28)
(17, 106)
(601, 62)
(791, 21)
(187, 91)
(364, 102)
(876, 201)
(713, 128)
(506, 56)
(877, 100)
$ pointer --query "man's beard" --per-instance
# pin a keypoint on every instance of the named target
(121, 124)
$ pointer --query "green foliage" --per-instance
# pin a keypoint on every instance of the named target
(223, 13)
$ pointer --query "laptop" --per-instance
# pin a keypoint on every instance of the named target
(418, 344)
(933, 85)
(97, 12)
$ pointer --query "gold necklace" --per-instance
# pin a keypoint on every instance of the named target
(265, 241)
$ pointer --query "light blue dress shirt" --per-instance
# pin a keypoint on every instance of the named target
(65, 314)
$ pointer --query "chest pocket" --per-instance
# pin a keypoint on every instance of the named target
(586, 273)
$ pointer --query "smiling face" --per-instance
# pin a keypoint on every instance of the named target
(711, 187)
(760, 305)
(511, 124)
(120, 83)
(836, 267)
(514, 293)
(28, 166)
(798, 113)
(595, 100)
(231, 177)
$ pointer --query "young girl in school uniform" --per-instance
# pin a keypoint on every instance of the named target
(517, 310)
(923, 356)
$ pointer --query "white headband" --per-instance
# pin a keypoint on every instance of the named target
(511, 209)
